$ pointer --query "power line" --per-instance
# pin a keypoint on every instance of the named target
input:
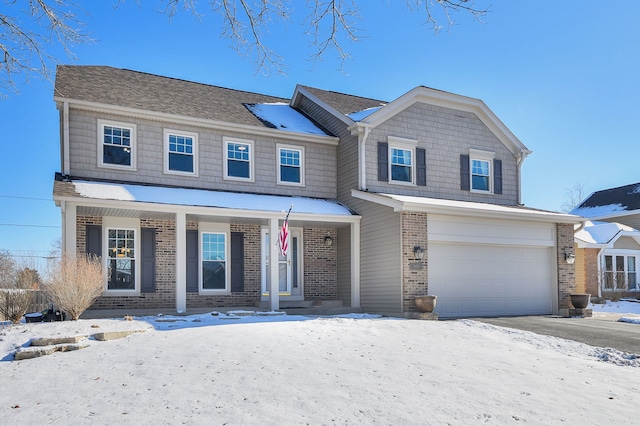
(29, 226)
(25, 198)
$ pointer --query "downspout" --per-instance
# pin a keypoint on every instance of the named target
(362, 142)
(519, 160)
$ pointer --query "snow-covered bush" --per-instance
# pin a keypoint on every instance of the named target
(73, 284)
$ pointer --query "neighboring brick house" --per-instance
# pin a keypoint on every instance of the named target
(610, 242)
(178, 186)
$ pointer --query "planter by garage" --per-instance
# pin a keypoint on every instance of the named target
(426, 303)
(580, 301)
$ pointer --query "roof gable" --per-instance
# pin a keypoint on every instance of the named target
(449, 100)
(365, 112)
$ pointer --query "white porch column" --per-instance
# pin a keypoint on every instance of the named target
(274, 293)
(69, 229)
(355, 265)
(181, 262)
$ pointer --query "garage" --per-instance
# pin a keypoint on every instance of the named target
(488, 267)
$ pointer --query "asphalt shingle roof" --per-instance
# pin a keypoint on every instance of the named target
(628, 197)
(344, 103)
(134, 89)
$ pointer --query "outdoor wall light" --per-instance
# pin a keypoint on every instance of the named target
(328, 241)
(570, 258)
(418, 252)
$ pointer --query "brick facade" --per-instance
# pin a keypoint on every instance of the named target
(319, 260)
(566, 272)
(251, 294)
(591, 274)
(320, 264)
(414, 271)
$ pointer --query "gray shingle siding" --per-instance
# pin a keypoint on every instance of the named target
(320, 160)
(445, 134)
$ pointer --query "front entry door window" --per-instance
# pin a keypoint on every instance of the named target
(289, 271)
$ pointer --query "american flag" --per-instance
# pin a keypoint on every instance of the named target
(283, 237)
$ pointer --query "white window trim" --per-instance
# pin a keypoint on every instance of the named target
(302, 163)
(625, 254)
(121, 223)
(194, 137)
(225, 155)
(132, 128)
(407, 145)
(215, 228)
(479, 155)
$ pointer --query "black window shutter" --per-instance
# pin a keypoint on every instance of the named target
(421, 166)
(465, 173)
(383, 161)
(93, 240)
(192, 261)
(497, 176)
(148, 260)
(237, 262)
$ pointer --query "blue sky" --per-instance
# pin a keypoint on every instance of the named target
(563, 76)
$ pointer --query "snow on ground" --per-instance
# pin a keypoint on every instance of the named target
(241, 369)
(626, 310)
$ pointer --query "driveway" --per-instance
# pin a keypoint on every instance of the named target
(603, 330)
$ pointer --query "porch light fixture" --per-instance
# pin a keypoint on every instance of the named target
(418, 252)
(570, 258)
(328, 241)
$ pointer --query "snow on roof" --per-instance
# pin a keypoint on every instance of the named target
(281, 116)
(601, 232)
(361, 115)
(598, 211)
(484, 208)
(204, 198)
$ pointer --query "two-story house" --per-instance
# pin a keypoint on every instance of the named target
(180, 186)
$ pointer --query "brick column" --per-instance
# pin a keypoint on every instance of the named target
(566, 272)
(414, 271)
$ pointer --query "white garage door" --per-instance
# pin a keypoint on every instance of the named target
(485, 279)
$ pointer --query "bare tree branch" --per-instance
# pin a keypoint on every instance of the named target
(28, 29)
(434, 8)
(327, 22)
(24, 43)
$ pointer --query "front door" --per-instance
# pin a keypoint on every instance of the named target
(289, 267)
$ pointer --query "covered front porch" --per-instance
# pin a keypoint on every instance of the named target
(193, 250)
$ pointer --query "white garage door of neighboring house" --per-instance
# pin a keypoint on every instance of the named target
(484, 267)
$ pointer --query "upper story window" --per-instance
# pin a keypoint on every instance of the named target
(402, 160)
(401, 165)
(290, 165)
(480, 172)
(238, 161)
(116, 145)
(480, 175)
(180, 152)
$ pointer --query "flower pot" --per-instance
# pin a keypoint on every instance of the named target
(580, 301)
(426, 303)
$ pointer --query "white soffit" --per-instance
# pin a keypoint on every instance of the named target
(464, 208)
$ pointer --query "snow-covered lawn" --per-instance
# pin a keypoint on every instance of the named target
(280, 370)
